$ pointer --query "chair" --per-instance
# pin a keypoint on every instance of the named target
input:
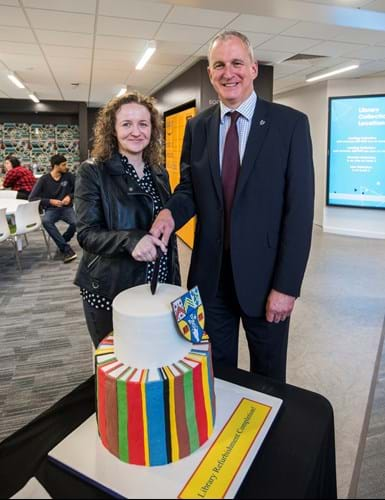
(27, 219)
(5, 234)
(7, 193)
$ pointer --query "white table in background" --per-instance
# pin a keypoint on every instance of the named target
(11, 205)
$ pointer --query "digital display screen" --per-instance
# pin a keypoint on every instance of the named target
(356, 152)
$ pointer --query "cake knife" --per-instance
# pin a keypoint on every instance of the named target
(154, 279)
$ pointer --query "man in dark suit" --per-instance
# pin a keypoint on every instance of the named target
(252, 242)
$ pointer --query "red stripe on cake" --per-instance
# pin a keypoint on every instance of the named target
(102, 406)
(200, 409)
(111, 411)
(135, 423)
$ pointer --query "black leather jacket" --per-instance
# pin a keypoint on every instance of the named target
(112, 215)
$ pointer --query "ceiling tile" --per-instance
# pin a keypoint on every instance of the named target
(340, 3)
(257, 38)
(134, 9)
(355, 35)
(18, 62)
(272, 56)
(13, 3)
(378, 5)
(80, 23)
(261, 24)
(200, 17)
(116, 55)
(13, 34)
(168, 59)
(290, 43)
(79, 93)
(332, 49)
(126, 27)
(186, 48)
(19, 48)
(367, 53)
(83, 6)
(48, 37)
(67, 52)
(313, 30)
(12, 16)
(120, 43)
(180, 33)
(283, 70)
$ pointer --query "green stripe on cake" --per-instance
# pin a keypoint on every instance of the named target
(190, 410)
(121, 388)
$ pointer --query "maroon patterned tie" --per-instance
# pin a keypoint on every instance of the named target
(230, 170)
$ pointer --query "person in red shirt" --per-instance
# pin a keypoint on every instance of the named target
(18, 178)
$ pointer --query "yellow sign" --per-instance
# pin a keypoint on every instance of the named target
(175, 126)
(218, 468)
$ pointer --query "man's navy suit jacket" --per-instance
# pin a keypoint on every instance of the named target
(272, 214)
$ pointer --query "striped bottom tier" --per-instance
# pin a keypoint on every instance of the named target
(154, 417)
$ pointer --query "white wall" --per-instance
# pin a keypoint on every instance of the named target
(313, 100)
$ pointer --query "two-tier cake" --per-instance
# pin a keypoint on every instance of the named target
(155, 390)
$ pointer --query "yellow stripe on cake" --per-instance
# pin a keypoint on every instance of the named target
(143, 380)
(173, 425)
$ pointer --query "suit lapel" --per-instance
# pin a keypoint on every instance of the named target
(259, 128)
(212, 128)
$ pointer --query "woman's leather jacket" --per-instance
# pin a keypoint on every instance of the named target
(113, 214)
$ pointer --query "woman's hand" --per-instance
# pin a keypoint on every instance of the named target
(146, 249)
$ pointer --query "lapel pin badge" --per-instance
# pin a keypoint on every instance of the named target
(262, 122)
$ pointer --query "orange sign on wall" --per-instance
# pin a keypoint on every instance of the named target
(175, 126)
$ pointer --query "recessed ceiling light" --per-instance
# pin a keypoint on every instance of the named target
(16, 81)
(319, 75)
(151, 48)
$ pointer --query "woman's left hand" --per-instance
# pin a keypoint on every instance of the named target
(146, 249)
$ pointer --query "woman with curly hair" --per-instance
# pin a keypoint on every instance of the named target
(118, 194)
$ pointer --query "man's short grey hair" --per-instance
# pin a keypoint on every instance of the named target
(225, 35)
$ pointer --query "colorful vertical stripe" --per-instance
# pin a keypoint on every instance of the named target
(154, 417)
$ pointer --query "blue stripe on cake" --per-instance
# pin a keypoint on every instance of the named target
(156, 422)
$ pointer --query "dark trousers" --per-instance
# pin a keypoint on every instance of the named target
(22, 195)
(53, 215)
(267, 342)
(99, 322)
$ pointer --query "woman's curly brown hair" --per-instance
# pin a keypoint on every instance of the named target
(105, 141)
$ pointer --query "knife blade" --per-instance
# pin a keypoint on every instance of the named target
(154, 279)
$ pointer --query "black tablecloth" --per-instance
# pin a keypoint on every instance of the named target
(296, 460)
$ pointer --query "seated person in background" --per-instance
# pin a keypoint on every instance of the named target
(18, 178)
(56, 192)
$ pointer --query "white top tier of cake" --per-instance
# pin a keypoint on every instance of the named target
(145, 331)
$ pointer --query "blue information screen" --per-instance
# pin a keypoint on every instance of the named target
(356, 155)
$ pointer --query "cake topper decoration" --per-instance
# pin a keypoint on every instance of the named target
(190, 317)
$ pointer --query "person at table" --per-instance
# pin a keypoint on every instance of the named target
(18, 178)
(55, 191)
(247, 173)
(118, 193)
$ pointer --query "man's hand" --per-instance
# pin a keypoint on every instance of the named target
(66, 200)
(55, 203)
(278, 306)
(163, 226)
(146, 249)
